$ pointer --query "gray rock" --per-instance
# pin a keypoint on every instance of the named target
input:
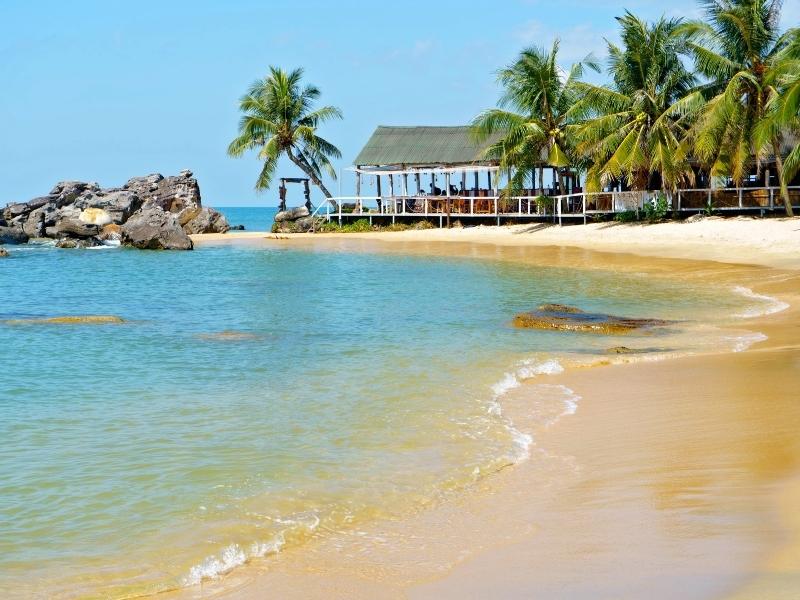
(179, 195)
(75, 229)
(207, 220)
(77, 243)
(66, 192)
(152, 228)
(120, 204)
(291, 214)
(13, 235)
(4, 253)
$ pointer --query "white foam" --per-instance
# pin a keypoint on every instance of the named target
(769, 305)
(215, 566)
(743, 342)
(527, 369)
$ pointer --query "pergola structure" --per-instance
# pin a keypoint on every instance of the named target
(447, 158)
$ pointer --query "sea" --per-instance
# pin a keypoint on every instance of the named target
(254, 398)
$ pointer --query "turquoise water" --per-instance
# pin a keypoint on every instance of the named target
(256, 397)
(254, 218)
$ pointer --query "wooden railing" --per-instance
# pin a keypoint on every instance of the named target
(578, 205)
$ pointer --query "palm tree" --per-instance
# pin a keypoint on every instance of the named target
(278, 119)
(633, 128)
(533, 115)
(741, 52)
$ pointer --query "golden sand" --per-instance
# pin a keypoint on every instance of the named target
(674, 479)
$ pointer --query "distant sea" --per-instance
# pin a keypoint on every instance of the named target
(254, 218)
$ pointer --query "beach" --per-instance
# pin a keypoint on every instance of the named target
(676, 476)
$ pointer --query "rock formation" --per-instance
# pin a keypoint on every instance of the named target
(147, 212)
(295, 220)
(569, 318)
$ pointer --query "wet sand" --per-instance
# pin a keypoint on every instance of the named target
(676, 478)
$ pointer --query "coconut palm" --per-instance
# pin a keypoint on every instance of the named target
(279, 119)
(532, 120)
(633, 128)
(740, 50)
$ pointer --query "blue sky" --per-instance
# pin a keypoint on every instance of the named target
(105, 90)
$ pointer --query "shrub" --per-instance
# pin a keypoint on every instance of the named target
(626, 216)
(544, 204)
(656, 210)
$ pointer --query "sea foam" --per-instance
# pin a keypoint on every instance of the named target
(527, 369)
(768, 306)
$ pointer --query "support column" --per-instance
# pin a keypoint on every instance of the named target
(378, 193)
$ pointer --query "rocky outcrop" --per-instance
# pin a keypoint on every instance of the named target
(81, 214)
(153, 228)
(569, 318)
(295, 220)
(13, 235)
(4, 253)
(207, 220)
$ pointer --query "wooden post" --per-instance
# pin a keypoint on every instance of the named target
(378, 193)
(463, 182)
(447, 201)
(391, 185)
(477, 184)
(419, 183)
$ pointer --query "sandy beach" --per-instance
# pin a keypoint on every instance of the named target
(677, 478)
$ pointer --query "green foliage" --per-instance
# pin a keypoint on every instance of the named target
(278, 120)
(533, 117)
(633, 128)
(362, 225)
(627, 216)
(656, 210)
(544, 204)
(708, 209)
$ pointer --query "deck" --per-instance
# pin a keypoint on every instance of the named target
(579, 206)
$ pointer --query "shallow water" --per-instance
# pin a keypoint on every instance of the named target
(255, 397)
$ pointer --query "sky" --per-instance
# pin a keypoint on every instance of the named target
(107, 90)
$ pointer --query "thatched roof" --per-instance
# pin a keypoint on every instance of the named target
(422, 146)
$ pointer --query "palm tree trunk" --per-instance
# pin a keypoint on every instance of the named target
(303, 165)
(787, 202)
(541, 182)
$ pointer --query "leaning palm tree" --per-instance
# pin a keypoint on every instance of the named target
(278, 119)
(741, 52)
(532, 120)
(633, 128)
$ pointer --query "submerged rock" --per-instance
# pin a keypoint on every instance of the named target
(4, 253)
(89, 242)
(154, 229)
(229, 336)
(569, 318)
(69, 320)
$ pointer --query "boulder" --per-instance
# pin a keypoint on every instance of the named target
(291, 214)
(13, 235)
(237, 228)
(570, 318)
(153, 228)
(4, 253)
(179, 194)
(110, 232)
(207, 220)
(75, 229)
(95, 216)
(66, 192)
(119, 204)
(78, 243)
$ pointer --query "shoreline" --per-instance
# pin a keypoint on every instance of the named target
(315, 570)
(773, 242)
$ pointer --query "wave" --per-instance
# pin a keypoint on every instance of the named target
(234, 555)
(527, 369)
(769, 305)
